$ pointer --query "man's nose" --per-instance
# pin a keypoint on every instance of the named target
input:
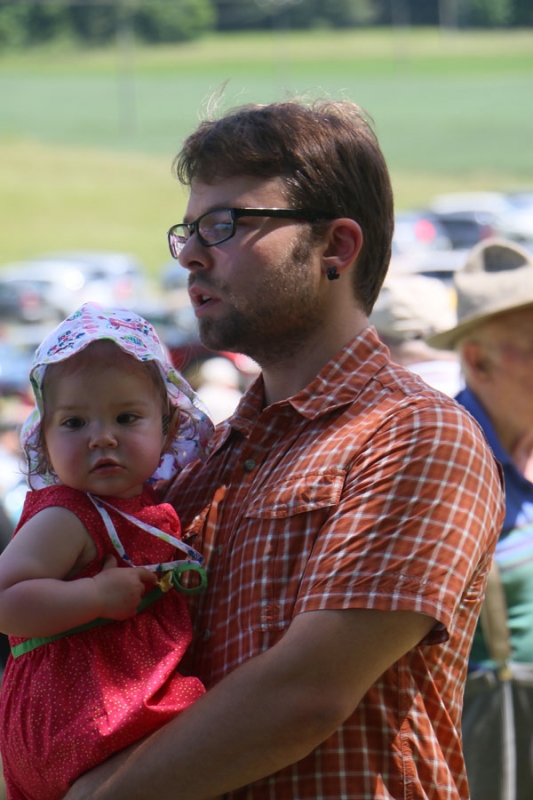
(194, 255)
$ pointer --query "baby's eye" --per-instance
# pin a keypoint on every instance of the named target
(73, 423)
(127, 418)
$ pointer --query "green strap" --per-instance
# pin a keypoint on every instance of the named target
(31, 644)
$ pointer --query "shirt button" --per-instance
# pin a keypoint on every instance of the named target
(220, 549)
(249, 465)
(206, 635)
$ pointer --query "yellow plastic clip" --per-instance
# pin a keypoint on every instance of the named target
(165, 581)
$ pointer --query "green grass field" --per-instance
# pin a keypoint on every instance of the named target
(87, 137)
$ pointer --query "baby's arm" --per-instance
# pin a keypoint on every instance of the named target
(35, 600)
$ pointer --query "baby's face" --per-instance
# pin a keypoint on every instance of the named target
(103, 429)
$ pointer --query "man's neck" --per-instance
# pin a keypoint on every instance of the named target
(286, 378)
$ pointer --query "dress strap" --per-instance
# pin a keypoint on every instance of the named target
(31, 644)
(102, 506)
(171, 572)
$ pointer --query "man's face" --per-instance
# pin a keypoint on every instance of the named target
(506, 345)
(258, 292)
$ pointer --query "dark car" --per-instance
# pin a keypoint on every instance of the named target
(22, 301)
(466, 228)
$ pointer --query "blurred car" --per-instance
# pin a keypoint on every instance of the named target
(490, 202)
(66, 280)
(119, 275)
(17, 348)
(521, 199)
(517, 222)
(22, 301)
(15, 361)
(466, 228)
(506, 214)
(418, 231)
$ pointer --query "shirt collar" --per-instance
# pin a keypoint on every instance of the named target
(338, 383)
(341, 380)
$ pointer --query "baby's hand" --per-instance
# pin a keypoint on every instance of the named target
(121, 589)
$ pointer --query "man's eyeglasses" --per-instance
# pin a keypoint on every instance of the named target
(219, 225)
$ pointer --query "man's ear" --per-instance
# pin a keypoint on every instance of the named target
(476, 360)
(343, 244)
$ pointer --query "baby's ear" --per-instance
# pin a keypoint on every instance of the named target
(170, 425)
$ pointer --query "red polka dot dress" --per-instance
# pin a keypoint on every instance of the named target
(69, 704)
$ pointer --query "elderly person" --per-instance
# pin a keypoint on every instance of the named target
(494, 339)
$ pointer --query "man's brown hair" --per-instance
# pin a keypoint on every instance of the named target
(328, 157)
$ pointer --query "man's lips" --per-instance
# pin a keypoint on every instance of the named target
(200, 296)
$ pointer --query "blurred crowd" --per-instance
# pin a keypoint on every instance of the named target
(417, 301)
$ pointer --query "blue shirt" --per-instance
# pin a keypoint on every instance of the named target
(514, 551)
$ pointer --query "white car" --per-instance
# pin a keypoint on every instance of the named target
(66, 280)
(510, 214)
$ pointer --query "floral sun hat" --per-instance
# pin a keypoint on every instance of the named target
(136, 336)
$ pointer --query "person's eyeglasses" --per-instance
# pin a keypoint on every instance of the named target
(219, 225)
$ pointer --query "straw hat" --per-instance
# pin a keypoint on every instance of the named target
(496, 277)
(411, 306)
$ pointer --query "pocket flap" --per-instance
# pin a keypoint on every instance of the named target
(300, 492)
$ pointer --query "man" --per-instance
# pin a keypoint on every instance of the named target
(347, 511)
(494, 339)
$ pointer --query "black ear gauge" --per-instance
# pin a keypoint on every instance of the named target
(332, 274)
(166, 421)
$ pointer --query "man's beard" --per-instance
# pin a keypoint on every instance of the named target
(275, 323)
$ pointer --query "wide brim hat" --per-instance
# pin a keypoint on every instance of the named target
(412, 306)
(497, 277)
(137, 337)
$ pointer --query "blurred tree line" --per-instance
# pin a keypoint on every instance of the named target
(27, 22)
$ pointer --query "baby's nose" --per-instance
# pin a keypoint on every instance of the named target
(102, 436)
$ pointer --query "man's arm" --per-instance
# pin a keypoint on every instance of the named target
(270, 712)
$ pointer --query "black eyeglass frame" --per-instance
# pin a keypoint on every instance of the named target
(304, 214)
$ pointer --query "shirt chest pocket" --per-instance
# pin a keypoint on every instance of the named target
(299, 493)
(276, 540)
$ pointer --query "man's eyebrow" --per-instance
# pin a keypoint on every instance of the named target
(218, 207)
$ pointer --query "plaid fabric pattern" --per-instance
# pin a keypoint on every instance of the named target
(367, 489)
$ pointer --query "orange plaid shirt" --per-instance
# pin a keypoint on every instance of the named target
(367, 489)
